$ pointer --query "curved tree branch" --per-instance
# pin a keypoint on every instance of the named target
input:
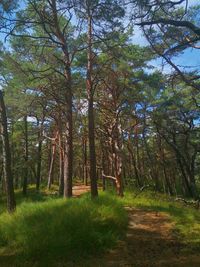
(177, 23)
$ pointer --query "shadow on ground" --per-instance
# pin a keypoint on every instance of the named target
(150, 242)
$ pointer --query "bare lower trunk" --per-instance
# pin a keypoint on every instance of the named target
(85, 172)
(118, 159)
(25, 181)
(139, 183)
(119, 184)
(11, 204)
(104, 168)
(61, 166)
(53, 155)
(164, 164)
(38, 175)
(68, 146)
(67, 116)
(39, 157)
(93, 175)
(91, 123)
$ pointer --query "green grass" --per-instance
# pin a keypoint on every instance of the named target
(47, 231)
(187, 219)
(32, 196)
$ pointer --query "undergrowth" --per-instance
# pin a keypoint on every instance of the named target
(49, 231)
(60, 230)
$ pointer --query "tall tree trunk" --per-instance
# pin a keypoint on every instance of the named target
(25, 180)
(92, 153)
(11, 204)
(61, 165)
(134, 165)
(163, 163)
(67, 131)
(91, 124)
(68, 153)
(39, 157)
(53, 156)
(185, 168)
(105, 167)
(152, 166)
(118, 157)
(85, 172)
(39, 163)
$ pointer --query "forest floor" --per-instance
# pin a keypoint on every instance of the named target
(151, 241)
(79, 190)
(160, 233)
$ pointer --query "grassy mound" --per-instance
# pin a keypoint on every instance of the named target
(60, 229)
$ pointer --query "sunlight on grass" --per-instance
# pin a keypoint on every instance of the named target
(47, 230)
(187, 226)
(63, 229)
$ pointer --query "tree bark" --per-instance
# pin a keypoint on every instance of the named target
(176, 23)
(25, 180)
(91, 124)
(163, 164)
(68, 153)
(11, 204)
(85, 172)
(61, 165)
(53, 155)
(39, 157)
(117, 149)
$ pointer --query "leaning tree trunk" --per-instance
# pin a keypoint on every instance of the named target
(11, 204)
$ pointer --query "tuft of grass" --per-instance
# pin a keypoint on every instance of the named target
(60, 230)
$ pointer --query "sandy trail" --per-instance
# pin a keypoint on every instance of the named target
(78, 190)
(149, 242)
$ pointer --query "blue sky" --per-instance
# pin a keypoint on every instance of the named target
(190, 57)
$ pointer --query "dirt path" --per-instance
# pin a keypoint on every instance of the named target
(149, 243)
(78, 190)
